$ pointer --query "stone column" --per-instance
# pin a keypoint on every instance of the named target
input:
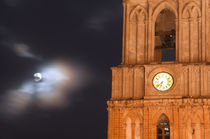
(133, 126)
(176, 122)
(146, 123)
(206, 122)
(110, 123)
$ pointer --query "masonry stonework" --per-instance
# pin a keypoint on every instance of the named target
(136, 106)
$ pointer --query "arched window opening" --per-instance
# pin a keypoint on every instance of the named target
(163, 127)
(165, 33)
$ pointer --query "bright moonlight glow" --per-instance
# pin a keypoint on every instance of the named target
(37, 77)
(50, 87)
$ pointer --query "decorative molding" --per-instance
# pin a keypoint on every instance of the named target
(140, 12)
(181, 102)
(190, 10)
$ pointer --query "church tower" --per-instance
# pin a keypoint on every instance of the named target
(161, 90)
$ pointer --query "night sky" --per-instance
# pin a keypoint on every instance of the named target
(84, 37)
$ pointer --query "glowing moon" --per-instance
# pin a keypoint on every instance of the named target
(37, 77)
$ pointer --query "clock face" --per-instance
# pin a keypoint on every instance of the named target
(163, 81)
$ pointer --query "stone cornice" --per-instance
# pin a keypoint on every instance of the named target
(160, 64)
(161, 102)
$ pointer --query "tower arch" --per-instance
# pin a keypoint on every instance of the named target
(161, 6)
(171, 8)
(165, 36)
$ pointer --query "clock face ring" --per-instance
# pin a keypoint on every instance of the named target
(163, 81)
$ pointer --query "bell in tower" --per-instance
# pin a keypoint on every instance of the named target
(161, 90)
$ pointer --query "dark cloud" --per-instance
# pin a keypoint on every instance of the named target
(13, 3)
(99, 21)
(24, 51)
(87, 32)
(3, 31)
(101, 18)
(19, 48)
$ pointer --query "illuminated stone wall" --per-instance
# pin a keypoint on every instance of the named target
(135, 105)
(137, 119)
(192, 28)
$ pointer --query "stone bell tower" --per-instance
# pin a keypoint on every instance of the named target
(161, 89)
